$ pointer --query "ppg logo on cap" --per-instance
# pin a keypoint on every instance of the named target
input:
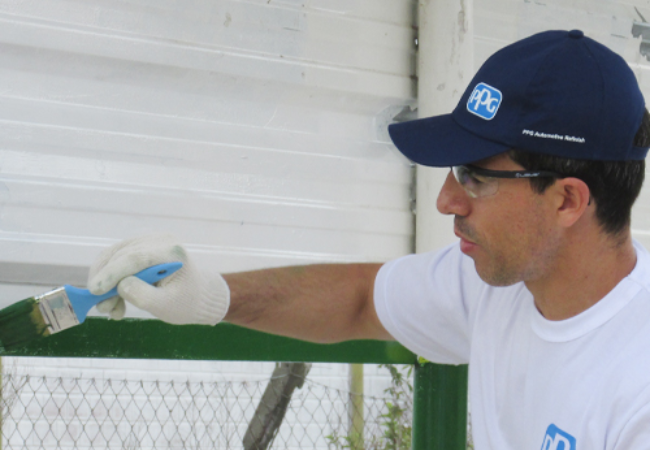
(484, 101)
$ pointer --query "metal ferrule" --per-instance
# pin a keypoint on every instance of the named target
(57, 310)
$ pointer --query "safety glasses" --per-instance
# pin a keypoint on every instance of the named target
(479, 182)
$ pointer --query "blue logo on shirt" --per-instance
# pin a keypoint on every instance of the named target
(557, 439)
(484, 101)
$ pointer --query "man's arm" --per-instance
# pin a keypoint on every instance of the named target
(319, 303)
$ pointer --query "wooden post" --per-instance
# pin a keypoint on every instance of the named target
(355, 408)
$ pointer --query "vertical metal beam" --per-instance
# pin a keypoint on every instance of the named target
(440, 407)
(445, 67)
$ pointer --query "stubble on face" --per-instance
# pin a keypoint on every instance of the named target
(516, 252)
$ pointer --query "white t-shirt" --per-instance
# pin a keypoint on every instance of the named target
(581, 383)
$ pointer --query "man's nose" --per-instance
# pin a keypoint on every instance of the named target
(452, 198)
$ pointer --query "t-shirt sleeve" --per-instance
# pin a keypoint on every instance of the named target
(427, 303)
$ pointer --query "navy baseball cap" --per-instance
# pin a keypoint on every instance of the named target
(557, 92)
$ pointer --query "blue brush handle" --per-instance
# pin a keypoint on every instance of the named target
(82, 300)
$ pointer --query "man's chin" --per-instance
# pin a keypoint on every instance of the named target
(494, 277)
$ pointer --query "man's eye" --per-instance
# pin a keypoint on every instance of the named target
(478, 179)
(473, 179)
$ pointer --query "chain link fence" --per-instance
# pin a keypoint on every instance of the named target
(77, 413)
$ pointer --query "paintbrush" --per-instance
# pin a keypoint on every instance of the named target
(60, 309)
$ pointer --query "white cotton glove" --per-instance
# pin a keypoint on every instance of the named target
(188, 296)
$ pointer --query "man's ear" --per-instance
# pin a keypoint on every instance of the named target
(572, 199)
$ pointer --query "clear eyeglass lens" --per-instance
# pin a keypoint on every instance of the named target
(475, 185)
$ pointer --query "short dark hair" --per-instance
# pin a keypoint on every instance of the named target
(613, 185)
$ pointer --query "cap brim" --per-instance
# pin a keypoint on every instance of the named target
(440, 142)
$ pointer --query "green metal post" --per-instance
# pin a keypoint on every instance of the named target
(440, 407)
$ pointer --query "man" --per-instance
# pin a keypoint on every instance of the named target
(547, 297)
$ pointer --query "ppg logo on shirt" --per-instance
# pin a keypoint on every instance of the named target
(484, 101)
(557, 439)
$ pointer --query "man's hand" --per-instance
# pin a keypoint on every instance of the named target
(189, 296)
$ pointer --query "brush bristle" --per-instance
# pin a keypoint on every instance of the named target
(21, 323)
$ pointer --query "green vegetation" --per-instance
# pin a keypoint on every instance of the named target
(395, 422)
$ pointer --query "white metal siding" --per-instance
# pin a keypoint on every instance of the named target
(253, 130)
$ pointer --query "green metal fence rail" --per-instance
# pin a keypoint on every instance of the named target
(440, 392)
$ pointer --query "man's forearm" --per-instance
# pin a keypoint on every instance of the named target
(320, 303)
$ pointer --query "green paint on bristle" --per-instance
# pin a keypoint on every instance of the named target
(20, 323)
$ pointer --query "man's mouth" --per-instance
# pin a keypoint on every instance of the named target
(466, 244)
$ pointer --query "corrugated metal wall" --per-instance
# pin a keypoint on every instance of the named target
(253, 130)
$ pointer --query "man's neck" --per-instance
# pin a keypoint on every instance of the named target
(584, 274)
